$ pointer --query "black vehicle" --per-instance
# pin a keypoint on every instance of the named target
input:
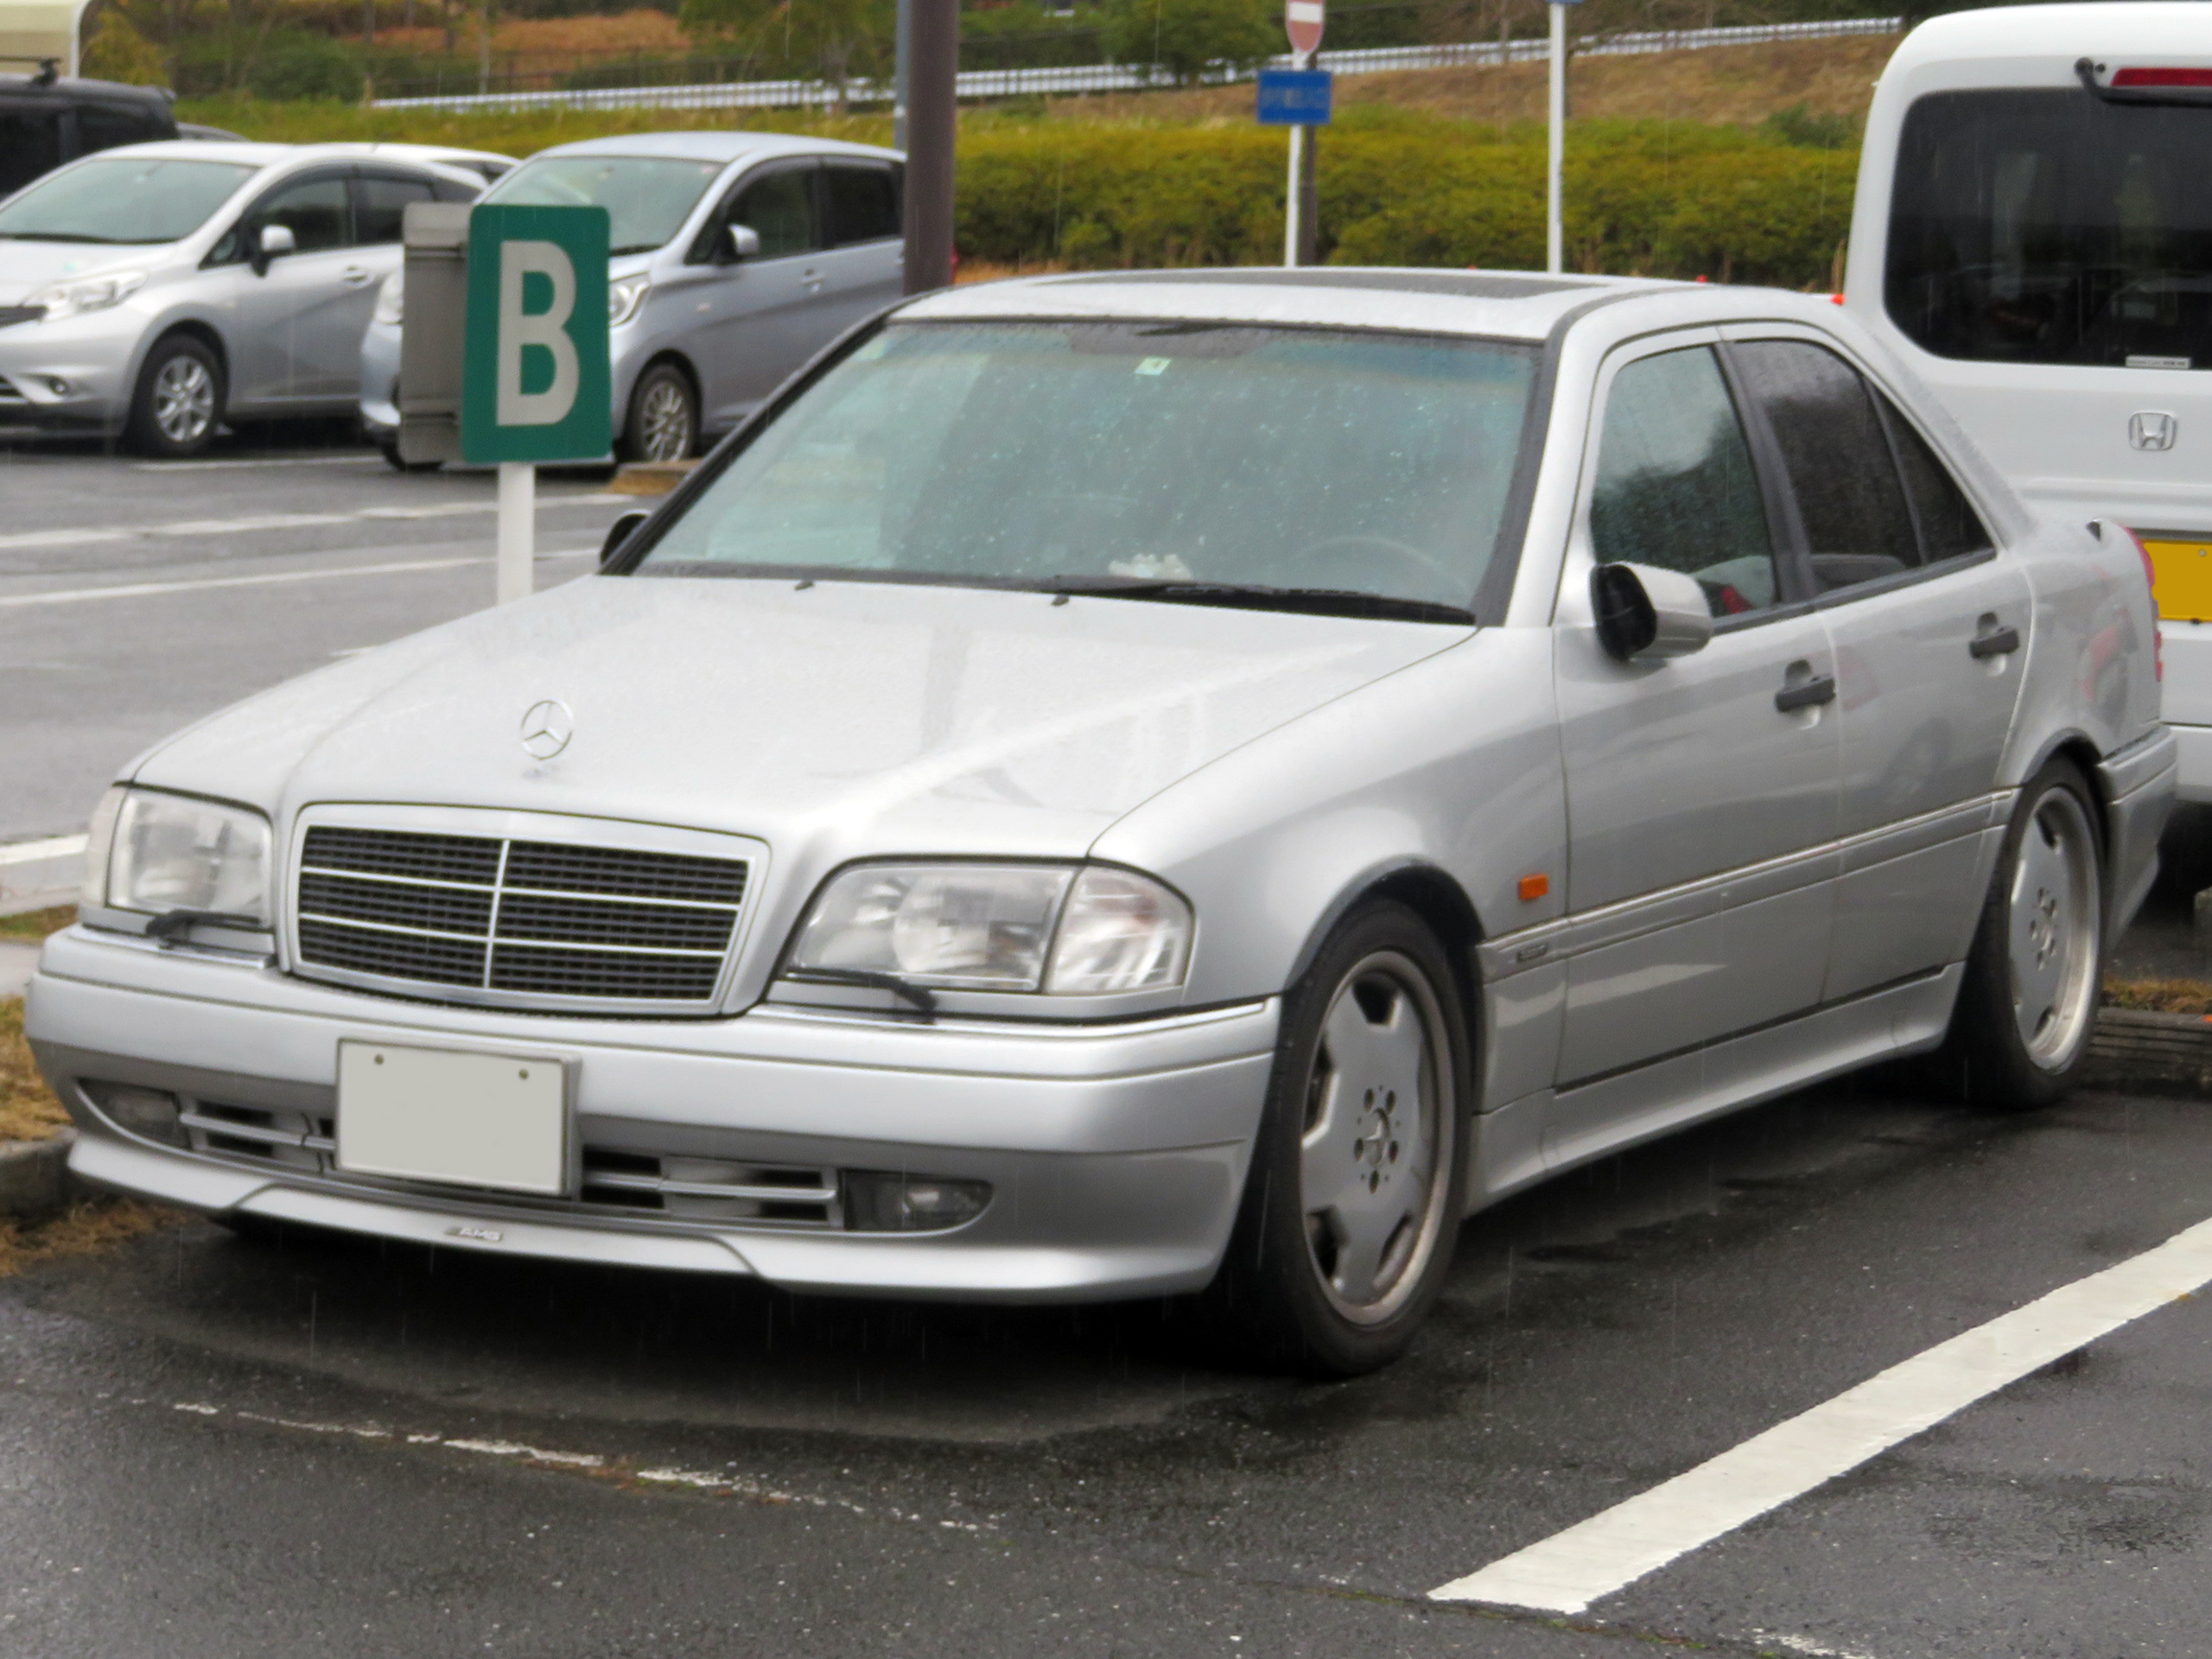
(47, 119)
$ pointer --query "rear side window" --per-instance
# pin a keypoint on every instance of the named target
(1857, 525)
(781, 208)
(383, 201)
(1949, 527)
(2049, 226)
(1675, 486)
(863, 203)
(30, 144)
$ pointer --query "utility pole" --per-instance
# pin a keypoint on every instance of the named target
(932, 111)
(902, 57)
(1554, 229)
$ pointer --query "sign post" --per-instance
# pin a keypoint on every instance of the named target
(535, 379)
(1554, 229)
(1298, 98)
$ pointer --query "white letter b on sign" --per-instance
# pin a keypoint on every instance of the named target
(548, 328)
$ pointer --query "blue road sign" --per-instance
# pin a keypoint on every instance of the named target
(1294, 98)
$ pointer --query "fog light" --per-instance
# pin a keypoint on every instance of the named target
(877, 1201)
(150, 1114)
(57, 385)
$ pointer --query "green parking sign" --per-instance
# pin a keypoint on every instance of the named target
(535, 378)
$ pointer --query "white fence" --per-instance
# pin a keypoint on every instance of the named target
(1118, 78)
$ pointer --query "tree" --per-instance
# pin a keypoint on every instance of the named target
(839, 41)
(1183, 39)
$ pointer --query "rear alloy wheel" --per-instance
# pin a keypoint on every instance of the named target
(178, 405)
(1353, 1200)
(2028, 1001)
(664, 423)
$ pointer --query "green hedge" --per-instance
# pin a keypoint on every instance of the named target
(1640, 198)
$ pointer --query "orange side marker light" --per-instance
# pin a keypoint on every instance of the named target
(1534, 887)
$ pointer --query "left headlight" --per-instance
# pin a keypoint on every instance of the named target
(624, 295)
(1064, 929)
(87, 294)
(172, 852)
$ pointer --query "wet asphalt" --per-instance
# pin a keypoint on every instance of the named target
(305, 1445)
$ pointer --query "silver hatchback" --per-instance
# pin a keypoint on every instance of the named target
(1151, 783)
(157, 290)
(734, 256)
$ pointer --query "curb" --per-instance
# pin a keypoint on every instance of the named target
(2167, 1053)
(649, 477)
(34, 1178)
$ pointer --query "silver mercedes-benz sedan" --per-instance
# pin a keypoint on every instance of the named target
(1149, 783)
(158, 290)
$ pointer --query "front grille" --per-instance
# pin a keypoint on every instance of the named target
(532, 919)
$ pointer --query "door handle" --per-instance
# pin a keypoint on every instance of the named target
(1808, 693)
(353, 276)
(812, 279)
(1993, 641)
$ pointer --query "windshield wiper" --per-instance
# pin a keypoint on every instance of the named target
(634, 247)
(919, 997)
(1248, 595)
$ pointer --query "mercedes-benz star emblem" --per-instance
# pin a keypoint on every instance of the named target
(547, 729)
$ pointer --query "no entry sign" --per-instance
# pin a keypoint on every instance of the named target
(1302, 20)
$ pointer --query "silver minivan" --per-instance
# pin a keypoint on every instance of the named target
(158, 289)
(735, 256)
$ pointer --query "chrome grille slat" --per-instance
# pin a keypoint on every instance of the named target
(534, 919)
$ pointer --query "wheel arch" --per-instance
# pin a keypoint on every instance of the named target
(199, 329)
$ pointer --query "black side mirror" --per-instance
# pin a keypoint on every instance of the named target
(618, 532)
(1645, 613)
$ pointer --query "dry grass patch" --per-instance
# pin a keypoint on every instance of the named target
(97, 1225)
(34, 924)
(28, 1110)
(2159, 995)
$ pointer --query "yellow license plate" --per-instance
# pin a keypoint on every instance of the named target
(2181, 578)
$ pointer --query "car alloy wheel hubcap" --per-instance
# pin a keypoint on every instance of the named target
(1372, 1154)
(2054, 921)
(667, 420)
(184, 399)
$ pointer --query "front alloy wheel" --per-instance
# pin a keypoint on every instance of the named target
(178, 404)
(664, 423)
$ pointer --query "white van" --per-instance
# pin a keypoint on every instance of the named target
(2033, 235)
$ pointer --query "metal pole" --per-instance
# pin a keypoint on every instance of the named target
(901, 63)
(518, 531)
(932, 112)
(1294, 200)
(1554, 238)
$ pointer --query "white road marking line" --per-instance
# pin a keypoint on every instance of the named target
(285, 461)
(1566, 1572)
(139, 589)
(37, 852)
(36, 538)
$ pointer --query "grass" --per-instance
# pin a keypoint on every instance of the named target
(28, 1110)
(2159, 995)
(96, 1224)
(34, 924)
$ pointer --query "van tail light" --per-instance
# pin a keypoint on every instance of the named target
(2173, 83)
(2151, 581)
(2169, 77)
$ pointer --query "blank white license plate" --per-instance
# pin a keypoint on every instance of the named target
(441, 1114)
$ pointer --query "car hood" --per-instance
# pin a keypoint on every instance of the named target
(26, 267)
(833, 720)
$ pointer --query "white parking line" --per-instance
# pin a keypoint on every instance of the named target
(1570, 1569)
(283, 460)
(137, 589)
(288, 521)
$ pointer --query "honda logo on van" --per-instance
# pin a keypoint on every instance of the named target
(2151, 429)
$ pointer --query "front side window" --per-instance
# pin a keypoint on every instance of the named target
(316, 211)
(123, 200)
(1857, 525)
(2050, 227)
(1166, 457)
(1675, 485)
(647, 198)
(780, 208)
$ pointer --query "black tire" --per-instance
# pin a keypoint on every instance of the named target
(177, 409)
(1292, 1292)
(2026, 1008)
(663, 423)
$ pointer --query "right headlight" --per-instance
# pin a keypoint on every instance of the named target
(1064, 929)
(155, 852)
(624, 295)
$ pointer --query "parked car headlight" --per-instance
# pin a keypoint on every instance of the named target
(624, 295)
(173, 852)
(87, 294)
(1064, 929)
(391, 300)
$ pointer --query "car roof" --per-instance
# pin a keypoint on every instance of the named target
(722, 147)
(2153, 31)
(77, 89)
(1509, 305)
(250, 154)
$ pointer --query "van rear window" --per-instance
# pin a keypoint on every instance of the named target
(2049, 226)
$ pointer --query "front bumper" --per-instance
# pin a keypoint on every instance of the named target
(75, 373)
(1116, 1153)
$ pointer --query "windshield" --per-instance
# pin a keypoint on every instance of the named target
(2050, 227)
(647, 198)
(1139, 456)
(125, 199)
